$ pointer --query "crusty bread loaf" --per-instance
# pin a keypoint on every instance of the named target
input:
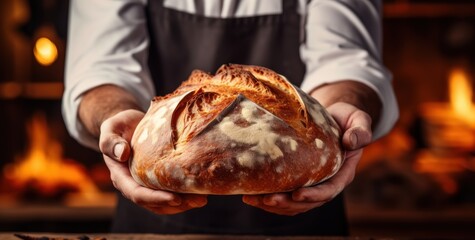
(245, 130)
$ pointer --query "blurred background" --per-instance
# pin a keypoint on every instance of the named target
(418, 181)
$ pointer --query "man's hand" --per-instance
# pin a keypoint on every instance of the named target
(112, 114)
(356, 126)
(116, 133)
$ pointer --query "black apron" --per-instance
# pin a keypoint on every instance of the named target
(181, 42)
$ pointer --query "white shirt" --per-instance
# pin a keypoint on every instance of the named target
(108, 44)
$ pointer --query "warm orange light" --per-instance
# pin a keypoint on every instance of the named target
(460, 91)
(441, 169)
(10, 90)
(43, 167)
(45, 51)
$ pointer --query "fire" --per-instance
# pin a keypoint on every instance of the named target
(460, 92)
(43, 167)
(450, 134)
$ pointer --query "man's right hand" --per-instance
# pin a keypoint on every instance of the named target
(114, 142)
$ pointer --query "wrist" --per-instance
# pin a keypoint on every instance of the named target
(351, 92)
(101, 103)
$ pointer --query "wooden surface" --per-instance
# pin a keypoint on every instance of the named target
(57, 236)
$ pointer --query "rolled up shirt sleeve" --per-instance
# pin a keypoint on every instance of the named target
(107, 44)
(343, 42)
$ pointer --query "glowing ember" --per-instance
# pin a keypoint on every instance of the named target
(43, 167)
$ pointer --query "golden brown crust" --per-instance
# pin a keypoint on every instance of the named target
(245, 130)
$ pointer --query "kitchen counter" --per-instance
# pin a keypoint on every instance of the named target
(56, 236)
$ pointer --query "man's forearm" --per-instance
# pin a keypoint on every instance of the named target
(102, 102)
(352, 92)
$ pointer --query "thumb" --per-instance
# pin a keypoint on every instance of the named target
(115, 147)
(356, 138)
(355, 123)
(116, 133)
(112, 144)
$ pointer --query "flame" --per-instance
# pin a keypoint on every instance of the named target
(44, 166)
(460, 93)
(45, 51)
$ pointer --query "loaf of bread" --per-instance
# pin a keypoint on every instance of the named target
(245, 130)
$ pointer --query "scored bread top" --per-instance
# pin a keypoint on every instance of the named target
(245, 130)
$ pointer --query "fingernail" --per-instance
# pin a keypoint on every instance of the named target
(299, 198)
(119, 150)
(270, 202)
(250, 200)
(354, 140)
(198, 203)
(175, 202)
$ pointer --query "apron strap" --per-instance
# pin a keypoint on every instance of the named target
(289, 6)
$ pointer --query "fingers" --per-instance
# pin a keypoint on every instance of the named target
(305, 199)
(123, 181)
(279, 203)
(194, 200)
(356, 126)
(116, 133)
(188, 201)
(328, 190)
(160, 202)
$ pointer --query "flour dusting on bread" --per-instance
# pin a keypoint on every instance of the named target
(244, 130)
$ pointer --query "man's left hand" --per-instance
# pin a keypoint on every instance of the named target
(356, 125)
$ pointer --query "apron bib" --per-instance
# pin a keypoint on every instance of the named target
(181, 42)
